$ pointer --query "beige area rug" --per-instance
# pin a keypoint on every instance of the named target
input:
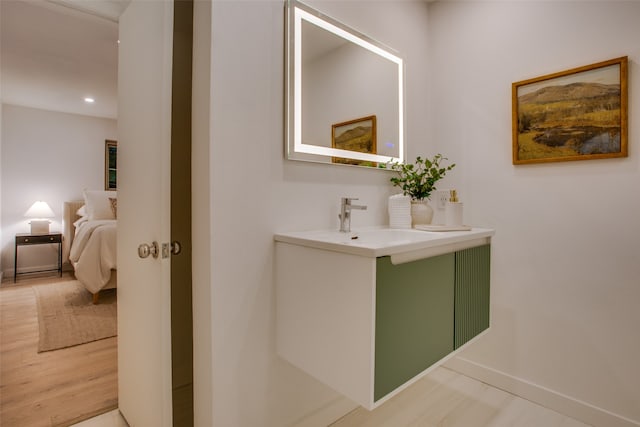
(67, 316)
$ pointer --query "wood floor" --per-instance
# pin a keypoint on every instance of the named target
(61, 387)
(55, 388)
(442, 398)
(446, 398)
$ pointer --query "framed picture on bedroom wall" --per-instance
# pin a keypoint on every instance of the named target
(578, 114)
(110, 164)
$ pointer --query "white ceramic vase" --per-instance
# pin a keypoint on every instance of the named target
(421, 212)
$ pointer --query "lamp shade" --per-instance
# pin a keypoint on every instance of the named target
(39, 209)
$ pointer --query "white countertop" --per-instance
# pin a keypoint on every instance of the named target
(402, 245)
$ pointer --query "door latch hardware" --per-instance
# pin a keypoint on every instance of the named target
(173, 248)
(144, 250)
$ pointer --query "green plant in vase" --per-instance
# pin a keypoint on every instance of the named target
(418, 180)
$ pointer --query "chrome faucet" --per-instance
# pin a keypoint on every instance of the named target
(345, 213)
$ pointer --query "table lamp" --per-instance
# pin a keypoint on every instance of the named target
(39, 212)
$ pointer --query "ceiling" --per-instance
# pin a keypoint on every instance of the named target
(55, 53)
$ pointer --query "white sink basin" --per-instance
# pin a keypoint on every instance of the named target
(368, 237)
(401, 244)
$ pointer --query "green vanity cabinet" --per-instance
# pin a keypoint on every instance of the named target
(414, 318)
(368, 322)
(472, 293)
(425, 310)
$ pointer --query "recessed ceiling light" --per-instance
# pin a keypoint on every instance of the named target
(89, 100)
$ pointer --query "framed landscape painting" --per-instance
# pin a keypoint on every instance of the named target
(355, 135)
(110, 165)
(578, 114)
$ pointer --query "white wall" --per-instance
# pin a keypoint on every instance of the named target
(46, 156)
(255, 192)
(566, 264)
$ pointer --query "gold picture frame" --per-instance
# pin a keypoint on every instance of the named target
(355, 135)
(578, 114)
(110, 165)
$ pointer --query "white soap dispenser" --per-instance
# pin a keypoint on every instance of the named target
(453, 210)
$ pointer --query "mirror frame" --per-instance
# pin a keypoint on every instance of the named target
(297, 11)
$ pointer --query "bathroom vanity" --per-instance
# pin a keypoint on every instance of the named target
(369, 313)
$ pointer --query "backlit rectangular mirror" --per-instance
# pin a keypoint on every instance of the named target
(345, 93)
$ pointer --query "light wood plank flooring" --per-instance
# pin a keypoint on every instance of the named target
(442, 398)
(65, 386)
(446, 398)
(55, 388)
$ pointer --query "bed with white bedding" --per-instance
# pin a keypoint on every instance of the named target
(90, 236)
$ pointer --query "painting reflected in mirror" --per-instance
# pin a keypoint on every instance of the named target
(355, 135)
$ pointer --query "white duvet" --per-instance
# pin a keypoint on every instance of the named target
(93, 253)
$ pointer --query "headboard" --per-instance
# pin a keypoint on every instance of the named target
(69, 231)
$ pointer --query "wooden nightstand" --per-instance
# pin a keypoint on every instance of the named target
(24, 239)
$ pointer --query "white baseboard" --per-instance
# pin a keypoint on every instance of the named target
(543, 396)
(34, 269)
(327, 414)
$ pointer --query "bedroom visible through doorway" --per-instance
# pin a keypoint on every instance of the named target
(52, 149)
(73, 190)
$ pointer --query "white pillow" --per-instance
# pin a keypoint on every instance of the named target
(97, 204)
(82, 211)
(80, 221)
